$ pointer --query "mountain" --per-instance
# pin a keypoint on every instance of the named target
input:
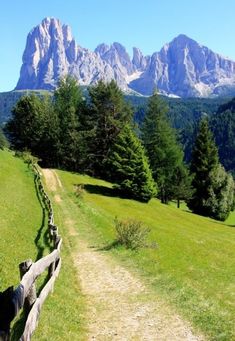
(186, 69)
(51, 52)
(182, 68)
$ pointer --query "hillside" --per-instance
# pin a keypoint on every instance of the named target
(186, 282)
(193, 265)
(23, 236)
(181, 111)
(8, 100)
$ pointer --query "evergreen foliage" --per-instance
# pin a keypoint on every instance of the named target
(27, 124)
(221, 194)
(68, 103)
(181, 188)
(163, 151)
(223, 126)
(34, 127)
(213, 187)
(109, 113)
(95, 136)
(130, 167)
(3, 140)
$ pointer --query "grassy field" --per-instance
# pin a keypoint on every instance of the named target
(21, 217)
(23, 236)
(193, 266)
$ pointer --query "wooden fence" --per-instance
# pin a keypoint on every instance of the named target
(24, 296)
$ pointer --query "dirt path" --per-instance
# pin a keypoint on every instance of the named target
(119, 305)
(52, 180)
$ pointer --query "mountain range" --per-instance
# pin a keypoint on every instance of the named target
(182, 68)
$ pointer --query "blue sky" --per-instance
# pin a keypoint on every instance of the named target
(147, 24)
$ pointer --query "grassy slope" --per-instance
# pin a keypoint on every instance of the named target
(62, 317)
(20, 221)
(21, 217)
(193, 266)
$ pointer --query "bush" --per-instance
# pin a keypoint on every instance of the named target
(29, 158)
(79, 191)
(131, 233)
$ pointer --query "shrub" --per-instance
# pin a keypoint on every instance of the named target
(28, 158)
(79, 191)
(131, 233)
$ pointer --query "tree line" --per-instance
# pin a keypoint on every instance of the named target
(97, 136)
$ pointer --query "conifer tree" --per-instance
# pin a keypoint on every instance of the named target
(204, 161)
(108, 113)
(181, 188)
(34, 127)
(27, 123)
(48, 143)
(213, 188)
(160, 142)
(67, 102)
(130, 167)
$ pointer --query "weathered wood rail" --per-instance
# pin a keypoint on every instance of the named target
(24, 296)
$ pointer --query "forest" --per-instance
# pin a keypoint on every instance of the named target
(144, 157)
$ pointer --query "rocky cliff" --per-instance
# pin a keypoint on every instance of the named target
(182, 68)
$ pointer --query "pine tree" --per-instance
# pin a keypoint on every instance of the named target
(48, 143)
(160, 142)
(108, 114)
(213, 188)
(181, 188)
(204, 161)
(27, 123)
(130, 167)
(223, 126)
(34, 126)
(68, 100)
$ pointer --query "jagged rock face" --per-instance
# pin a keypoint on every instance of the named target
(139, 61)
(184, 68)
(51, 53)
(181, 68)
(117, 57)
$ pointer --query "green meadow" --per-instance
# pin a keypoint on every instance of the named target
(193, 264)
(190, 260)
(23, 236)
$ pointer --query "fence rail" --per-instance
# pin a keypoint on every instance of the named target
(24, 296)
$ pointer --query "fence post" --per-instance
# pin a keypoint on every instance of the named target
(32, 294)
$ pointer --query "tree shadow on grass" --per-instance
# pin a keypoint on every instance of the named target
(18, 327)
(42, 231)
(102, 190)
(219, 222)
(113, 192)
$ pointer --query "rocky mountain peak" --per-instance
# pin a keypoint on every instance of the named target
(182, 67)
(117, 57)
(51, 53)
(139, 61)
